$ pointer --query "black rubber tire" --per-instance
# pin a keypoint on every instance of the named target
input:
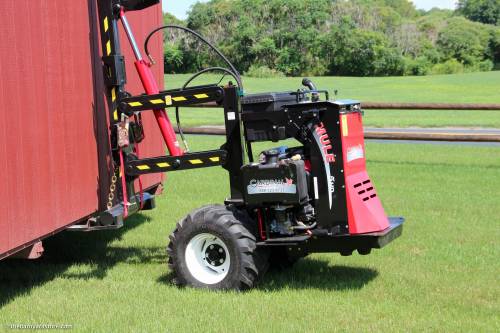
(280, 258)
(234, 227)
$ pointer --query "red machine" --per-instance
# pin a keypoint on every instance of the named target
(284, 202)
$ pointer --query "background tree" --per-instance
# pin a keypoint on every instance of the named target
(335, 37)
(484, 11)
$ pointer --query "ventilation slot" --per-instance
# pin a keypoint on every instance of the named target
(365, 190)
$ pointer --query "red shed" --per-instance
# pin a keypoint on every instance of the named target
(54, 140)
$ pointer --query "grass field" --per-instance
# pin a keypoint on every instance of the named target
(441, 276)
(460, 88)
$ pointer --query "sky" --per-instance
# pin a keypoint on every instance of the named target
(180, 8)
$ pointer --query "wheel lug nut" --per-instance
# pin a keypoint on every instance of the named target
(220, 250)
(213, 263)
(211, 247)
(221, 261)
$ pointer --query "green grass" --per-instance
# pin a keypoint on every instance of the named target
(460, 88)
(441, 275)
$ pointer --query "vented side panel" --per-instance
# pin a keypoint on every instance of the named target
(365, 211)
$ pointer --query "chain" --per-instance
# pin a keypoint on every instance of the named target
(112, 188)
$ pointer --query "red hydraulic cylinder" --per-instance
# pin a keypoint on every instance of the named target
(151, 87)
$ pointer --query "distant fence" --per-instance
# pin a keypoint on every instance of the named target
(380, 134)
(431, 106)
(409, 106)
(387, 134)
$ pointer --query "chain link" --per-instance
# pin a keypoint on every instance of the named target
(112, 188)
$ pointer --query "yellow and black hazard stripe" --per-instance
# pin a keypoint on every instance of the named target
(169, 163)
(173, 98)
(105, 26)
(113, 61)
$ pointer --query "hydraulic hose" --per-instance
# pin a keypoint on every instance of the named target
(200, 37)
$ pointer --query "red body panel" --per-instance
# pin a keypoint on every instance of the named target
(51, 96)
(365, 211)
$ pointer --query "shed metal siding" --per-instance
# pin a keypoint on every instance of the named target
(52, 105)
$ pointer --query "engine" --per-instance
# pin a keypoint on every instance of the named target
(278, 186)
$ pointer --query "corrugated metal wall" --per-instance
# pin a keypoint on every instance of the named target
(52, 106)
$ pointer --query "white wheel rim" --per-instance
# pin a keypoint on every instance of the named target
(207, 258)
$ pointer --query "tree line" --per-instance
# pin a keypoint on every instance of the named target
(338, 37)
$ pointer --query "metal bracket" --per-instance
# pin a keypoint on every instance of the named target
(169, 163)
(113, 218)
(114, 70)
(171, 98)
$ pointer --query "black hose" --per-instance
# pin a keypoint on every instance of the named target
(191, 79)
(305, 227)
(233, 72)
(200, 37)
(179, 128)
(211, 69)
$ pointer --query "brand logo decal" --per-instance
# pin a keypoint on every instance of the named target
(332, 184)
(355, 153)
(326, 144)
(262, 186)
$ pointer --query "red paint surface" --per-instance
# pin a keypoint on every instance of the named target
(364, 215)
(50, 104)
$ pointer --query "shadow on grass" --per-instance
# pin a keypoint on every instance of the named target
(309, 274)
(318, 274)
(20, 277)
